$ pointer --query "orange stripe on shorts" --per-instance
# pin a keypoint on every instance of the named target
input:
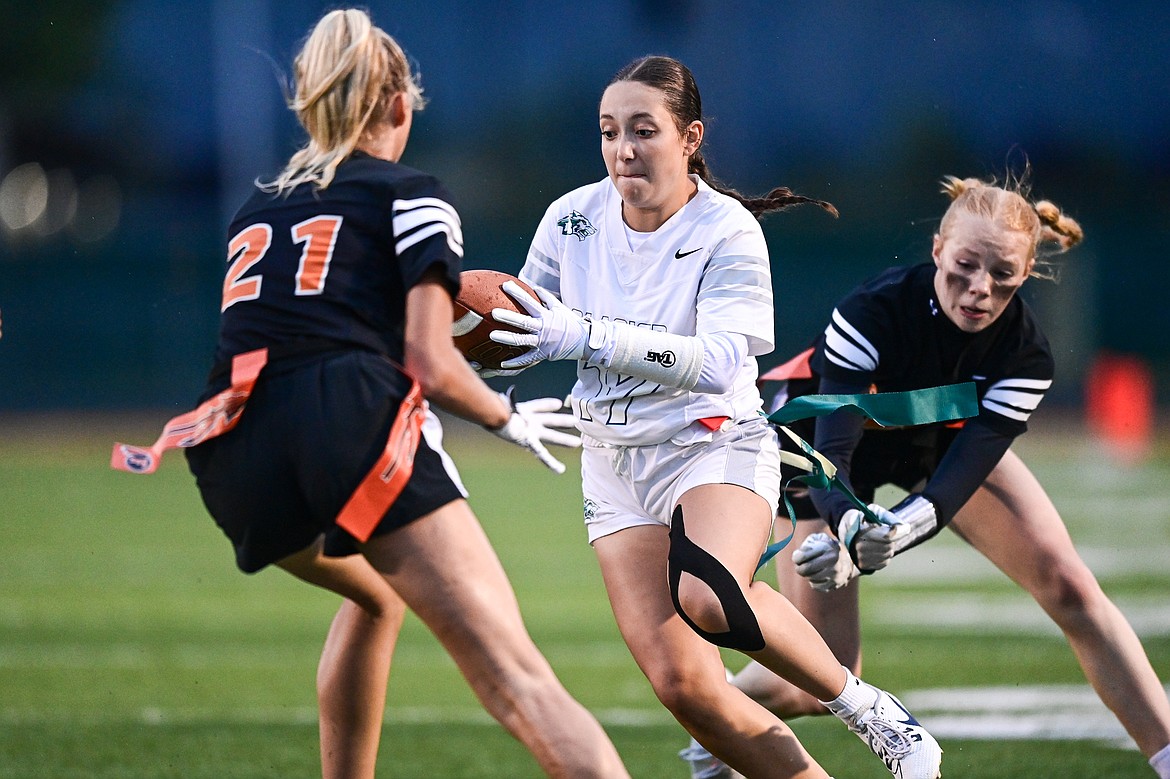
(386, 480)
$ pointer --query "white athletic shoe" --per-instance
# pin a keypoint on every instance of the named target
(907, 749)
(705, 765)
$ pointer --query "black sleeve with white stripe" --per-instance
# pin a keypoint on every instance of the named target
(427, 231)
(1007, 404)
(846, 347)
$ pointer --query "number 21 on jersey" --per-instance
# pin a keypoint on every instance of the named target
(248, 247)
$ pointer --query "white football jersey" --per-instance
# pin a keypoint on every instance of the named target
(706, 270)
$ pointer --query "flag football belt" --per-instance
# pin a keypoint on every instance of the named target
(369, 502)
(888, 409)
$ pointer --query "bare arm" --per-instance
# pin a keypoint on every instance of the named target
(431, 357)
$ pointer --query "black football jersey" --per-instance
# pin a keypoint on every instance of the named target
(889, 333)
(337, 263)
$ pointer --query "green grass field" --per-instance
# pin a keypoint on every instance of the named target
(131, 647)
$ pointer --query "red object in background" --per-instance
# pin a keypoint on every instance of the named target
(1119, 403)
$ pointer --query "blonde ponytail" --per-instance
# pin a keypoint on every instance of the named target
(345, 74)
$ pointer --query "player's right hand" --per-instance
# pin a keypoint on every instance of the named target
(819, 560)
(906, 524)
(551, 331)
(871, 545)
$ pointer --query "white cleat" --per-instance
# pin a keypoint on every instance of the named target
(906, 748)
(705, 765)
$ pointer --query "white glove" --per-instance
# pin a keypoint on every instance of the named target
(487, 373)
(536, 422)
(819, 560)
(552, 331)
(874, 545)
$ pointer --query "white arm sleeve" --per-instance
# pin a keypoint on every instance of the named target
(703, 363)
(722, 355)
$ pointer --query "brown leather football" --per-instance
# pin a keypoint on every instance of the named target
(479, 293)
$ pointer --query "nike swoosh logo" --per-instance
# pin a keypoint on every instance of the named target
(679, 253)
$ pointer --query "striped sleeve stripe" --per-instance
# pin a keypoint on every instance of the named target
(846, 347)
(418, 219)
(542, 270)
(1015, 398)
(742, 280)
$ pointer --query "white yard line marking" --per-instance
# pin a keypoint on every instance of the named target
(944, 562)
(1045, 712)
(1040, 712)
(1014, 613)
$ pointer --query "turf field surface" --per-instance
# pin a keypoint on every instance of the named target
(130, 646)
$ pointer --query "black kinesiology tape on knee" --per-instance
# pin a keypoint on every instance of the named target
(743, 631)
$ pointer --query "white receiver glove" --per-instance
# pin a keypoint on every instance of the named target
(819, 560)
(910, 521)
(536, 422)
(552, 331)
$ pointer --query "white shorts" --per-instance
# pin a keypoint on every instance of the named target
(626, 486)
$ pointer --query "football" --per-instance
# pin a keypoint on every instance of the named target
(479, 293)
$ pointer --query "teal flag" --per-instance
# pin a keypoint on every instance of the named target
(888, 409)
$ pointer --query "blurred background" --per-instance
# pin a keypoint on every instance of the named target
(131, 129)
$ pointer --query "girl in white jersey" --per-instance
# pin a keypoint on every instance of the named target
(659, 286)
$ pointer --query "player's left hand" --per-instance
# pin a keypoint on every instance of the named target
(819, 560)
(534, 423)
(549, 418)
(488, 373)
(552, 331)
(906, 524)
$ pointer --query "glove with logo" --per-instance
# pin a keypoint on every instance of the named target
(488, 373)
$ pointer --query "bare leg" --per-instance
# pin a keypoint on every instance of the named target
(732, 524)
(355, 663)
(835, 615)
(1014, 524)
(733, 529)
(445, 569)
(685, 671)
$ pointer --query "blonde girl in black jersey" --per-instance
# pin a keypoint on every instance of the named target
(956, 319)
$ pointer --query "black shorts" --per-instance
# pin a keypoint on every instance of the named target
(904, 457)
(308, 436)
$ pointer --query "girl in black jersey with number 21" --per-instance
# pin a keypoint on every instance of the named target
(958, 319)
(339, 272)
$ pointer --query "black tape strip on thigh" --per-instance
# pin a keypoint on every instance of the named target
(743, 631)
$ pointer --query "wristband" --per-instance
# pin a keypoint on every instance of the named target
(918, 521)
(665, 358)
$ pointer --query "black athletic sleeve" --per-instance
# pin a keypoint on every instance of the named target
(971, 457)
(836, 437)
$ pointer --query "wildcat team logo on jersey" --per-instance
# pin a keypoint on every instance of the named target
(576, 224)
